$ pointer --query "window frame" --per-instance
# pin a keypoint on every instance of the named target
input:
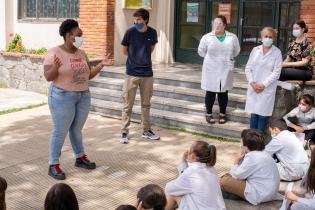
(22, 10)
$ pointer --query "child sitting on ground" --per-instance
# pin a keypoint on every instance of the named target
(61, 196)
(308, 202)
(3, 188)
(126, 207)
(197, 186)
(152, 197)
(254, 176)
(302, 119)
(288, 149)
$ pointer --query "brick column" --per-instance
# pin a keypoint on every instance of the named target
(97, 22)
(308, 15)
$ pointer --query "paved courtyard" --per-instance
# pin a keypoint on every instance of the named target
(121, 171)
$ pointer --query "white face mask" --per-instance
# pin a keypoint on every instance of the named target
(296, 33)
(78, 41)
(267, 42)
(303, 108)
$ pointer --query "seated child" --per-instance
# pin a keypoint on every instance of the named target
(302, 119)
(151, 197)
(126, 207)
(61, 196)
(308, 202)
(3, 188)
(254, 176)
(293, 162)
(197, 186)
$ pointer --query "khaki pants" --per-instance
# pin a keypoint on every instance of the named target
(130, 87)
(234, 186)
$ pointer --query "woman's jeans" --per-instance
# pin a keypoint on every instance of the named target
(259, 122)
(69, 111)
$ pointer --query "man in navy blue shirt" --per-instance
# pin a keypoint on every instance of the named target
(138, 44)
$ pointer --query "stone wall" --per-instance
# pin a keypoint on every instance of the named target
(23, 71)
(26, 71)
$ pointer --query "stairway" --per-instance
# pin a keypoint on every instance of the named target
(177, 99)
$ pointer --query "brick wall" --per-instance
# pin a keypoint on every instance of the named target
(97, 23)
(308, 15)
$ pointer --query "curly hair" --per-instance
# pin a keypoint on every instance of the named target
(67, 26)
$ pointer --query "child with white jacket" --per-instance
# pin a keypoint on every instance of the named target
(308, 202)
(288, 149)
(254, 176)
(197, 186)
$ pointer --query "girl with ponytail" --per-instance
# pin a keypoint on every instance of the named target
(197, 186)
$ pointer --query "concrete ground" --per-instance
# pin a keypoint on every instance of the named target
(121, 169)
(13, 98)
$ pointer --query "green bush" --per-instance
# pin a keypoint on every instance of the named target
(16, 45)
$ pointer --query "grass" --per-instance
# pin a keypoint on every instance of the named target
(206, 135)
(3, 85)
(20, 109)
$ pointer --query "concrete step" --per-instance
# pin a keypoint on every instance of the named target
(170, 104)
(181, 80)
(171, 119)
(169, 91)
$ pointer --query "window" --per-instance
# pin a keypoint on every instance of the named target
(48, 9)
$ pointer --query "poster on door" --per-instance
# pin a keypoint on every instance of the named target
(225, 10)
(192, 12)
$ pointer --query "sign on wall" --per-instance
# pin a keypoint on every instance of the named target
(136, 4)
(225, 10)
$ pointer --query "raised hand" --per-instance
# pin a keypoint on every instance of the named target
(185, 156)
(107, 61)
(57, 63)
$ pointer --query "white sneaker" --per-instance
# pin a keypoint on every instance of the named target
(124, 138)
(150, 135)
(285, 85)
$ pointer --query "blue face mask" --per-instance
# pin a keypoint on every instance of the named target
(296, 33)
(267, 42)
(139, 26)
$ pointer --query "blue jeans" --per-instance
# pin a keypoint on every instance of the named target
(69, 111)
(259, 122)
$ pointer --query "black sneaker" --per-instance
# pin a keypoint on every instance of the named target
(84, 162)
(150, 135)
(124, 138)
(55, 172)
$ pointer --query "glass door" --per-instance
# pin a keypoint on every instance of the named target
(191, 24)
(253, 17)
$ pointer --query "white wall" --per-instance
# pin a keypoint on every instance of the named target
(34, 34)
(2, 25)
(161, 18)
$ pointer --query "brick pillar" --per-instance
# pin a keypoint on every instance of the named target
(308, 15)
(97, 22)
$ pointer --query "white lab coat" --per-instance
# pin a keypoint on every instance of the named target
(289, 150)
(261, 175)
(199, 186)
(218, 63)
(307, 203)
(262, 69)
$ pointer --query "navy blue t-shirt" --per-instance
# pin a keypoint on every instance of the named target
(139, 45)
